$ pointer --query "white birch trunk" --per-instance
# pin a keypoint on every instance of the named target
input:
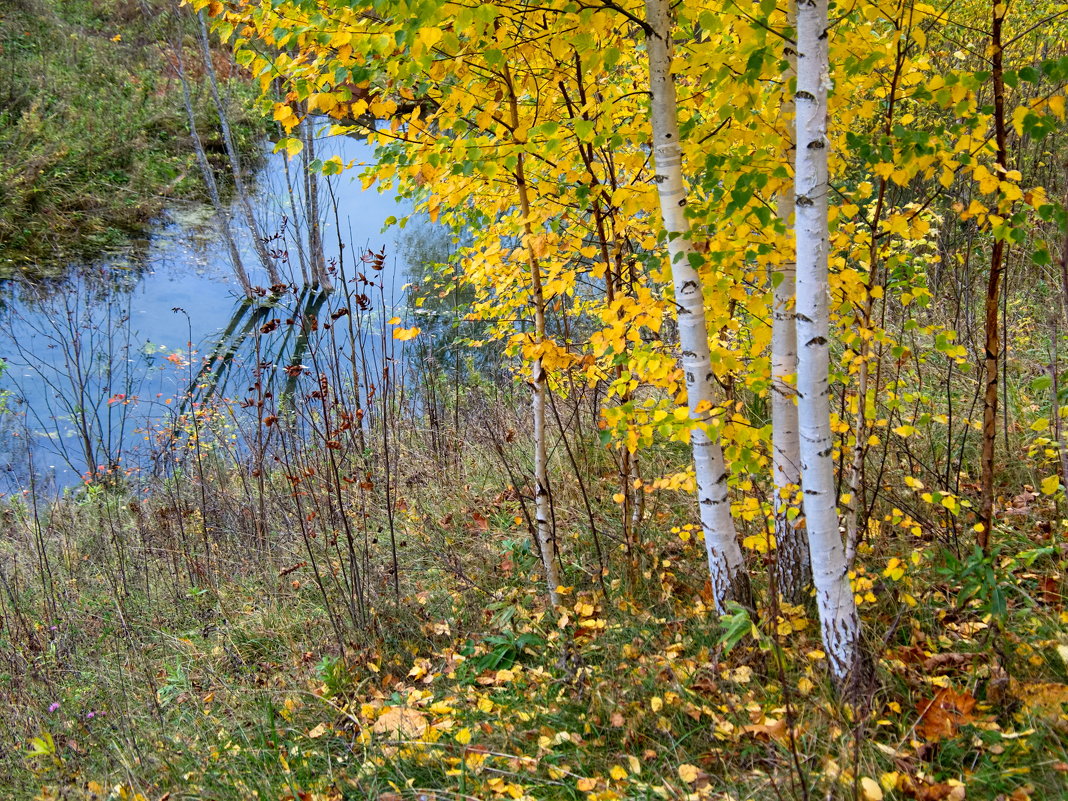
(544, 532)
(542, 511)
(543, 529)
(726, 565)
(834, 595)
(792, 570)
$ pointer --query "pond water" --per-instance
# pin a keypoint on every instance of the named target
(98, 359)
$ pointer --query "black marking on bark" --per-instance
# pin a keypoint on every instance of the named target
(689, 354)
(826, 452)
(659, 179)
(682, 202)
(803, 95)
(816, 144)
(689, 378)
(804, 200)
(688, 286)
(802, 318)
(816, 341)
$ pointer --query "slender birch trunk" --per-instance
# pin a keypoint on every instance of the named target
(834, 595)
(543, 530)
(729, 579)
(793, 574)
(856, 465)
(542, 512)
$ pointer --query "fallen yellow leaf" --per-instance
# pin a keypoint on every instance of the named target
(871, 789)
(688, 773)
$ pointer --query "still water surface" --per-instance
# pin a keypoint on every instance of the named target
(137, 322)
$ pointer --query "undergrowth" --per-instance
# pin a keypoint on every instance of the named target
(324, 587)
(167, 651)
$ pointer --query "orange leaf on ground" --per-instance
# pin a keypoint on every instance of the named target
(943, 715)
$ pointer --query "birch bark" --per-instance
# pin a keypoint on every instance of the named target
(834, 595)
(726, 565)
(792, 571)
(543, 530)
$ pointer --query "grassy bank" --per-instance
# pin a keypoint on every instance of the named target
(94, 136)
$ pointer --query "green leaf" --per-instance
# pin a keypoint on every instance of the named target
(735, 624)
(42, 746)
(1041, 384)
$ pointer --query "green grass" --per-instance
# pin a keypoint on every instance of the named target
(225, 680)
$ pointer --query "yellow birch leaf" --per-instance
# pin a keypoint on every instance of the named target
(688, 773)
(870, 789)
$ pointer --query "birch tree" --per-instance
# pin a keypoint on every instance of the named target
(726, 565)
(543, 531)
(834, 594)
(792, 573)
